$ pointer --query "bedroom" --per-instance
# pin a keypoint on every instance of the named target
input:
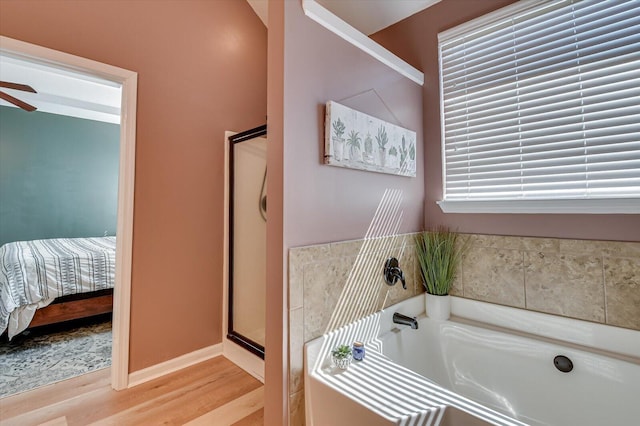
(58, 187)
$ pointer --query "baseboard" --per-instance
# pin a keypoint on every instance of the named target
(244, 359)
(141, 376)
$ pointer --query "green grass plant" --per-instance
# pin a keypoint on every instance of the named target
(341, 352)
(439, 252)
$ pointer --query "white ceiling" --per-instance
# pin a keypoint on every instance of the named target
(368, 16)
(61, 91)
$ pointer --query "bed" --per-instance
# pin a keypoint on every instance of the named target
(35, 273)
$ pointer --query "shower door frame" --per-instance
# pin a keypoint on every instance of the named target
(233, 335)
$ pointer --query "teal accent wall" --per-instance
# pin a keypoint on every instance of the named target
(58, 176)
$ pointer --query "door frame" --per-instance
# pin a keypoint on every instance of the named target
(126, 179)
(248, 361)
(242, 340)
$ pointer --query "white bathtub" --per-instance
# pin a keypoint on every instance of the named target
(499, 376)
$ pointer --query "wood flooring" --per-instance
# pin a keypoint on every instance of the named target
(215, 392)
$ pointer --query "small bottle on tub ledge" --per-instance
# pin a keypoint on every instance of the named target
(358, 351)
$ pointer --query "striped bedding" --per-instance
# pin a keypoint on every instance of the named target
(34, 273)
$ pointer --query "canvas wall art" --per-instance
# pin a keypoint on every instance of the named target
(359, 141)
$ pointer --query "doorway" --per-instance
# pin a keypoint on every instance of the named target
(127, 80)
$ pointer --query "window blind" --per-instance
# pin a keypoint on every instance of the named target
(541, 101)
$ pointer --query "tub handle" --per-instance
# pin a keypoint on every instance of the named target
(393, 273)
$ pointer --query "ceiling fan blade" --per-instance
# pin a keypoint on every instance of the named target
(16, 86)
(17, 102)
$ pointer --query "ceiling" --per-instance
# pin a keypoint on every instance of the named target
(62, 91)
(66, 92)
(368, 16)
(261, 7)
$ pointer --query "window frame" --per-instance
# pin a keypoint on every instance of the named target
(583, 205)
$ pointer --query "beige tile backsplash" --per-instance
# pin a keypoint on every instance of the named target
(331, 285)
(334, 284)
(622, 290)
(591, 280)
(494, 275)
(566, 285)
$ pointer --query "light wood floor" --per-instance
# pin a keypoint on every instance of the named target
(215, 392)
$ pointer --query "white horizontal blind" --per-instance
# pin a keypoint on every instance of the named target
(543, 103)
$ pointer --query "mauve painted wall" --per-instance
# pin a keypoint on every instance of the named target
(325, 203)
(415, 40)
(321, 203)
(202, 70)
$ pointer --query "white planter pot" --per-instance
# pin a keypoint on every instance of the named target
(341, 363)
(438, 307)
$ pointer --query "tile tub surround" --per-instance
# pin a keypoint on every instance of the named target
(596, 281)
(593, 280)
(334, 284)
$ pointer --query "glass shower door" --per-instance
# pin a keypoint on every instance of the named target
(248, 235)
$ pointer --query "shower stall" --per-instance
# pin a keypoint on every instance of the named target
(247, 239)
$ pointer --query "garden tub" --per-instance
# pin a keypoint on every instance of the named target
(489, 364)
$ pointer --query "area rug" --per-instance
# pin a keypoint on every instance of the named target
(47, 355)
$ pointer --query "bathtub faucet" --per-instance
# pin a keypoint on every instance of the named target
(393, 273)
(398, 318)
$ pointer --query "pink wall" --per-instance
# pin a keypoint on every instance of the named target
(415, 40)
(276, 340)
(201, 70)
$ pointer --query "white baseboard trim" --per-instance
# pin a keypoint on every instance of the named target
(244, 359)
(146, 374)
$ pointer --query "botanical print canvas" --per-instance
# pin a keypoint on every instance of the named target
(359, 141)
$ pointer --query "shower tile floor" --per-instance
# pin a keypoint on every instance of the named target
(50, 354)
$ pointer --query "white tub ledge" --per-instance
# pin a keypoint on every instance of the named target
(377, 391)
(503, 358)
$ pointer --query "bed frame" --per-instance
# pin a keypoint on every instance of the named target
(75, 306)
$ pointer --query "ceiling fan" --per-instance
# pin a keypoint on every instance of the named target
(17, 102)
